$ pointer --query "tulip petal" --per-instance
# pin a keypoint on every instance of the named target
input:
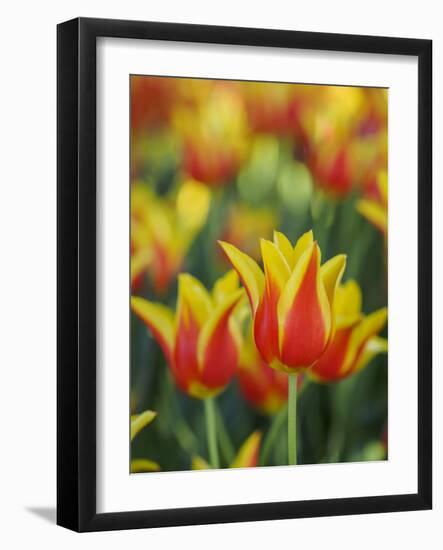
(276, 267)
(247, 456)
(139, 465)
(284, 245)
(369, 327)
(329, 368)
(140, 261)
(159, 319)
(193, 299)
(139, 421)
(277, 273)
(292, 286)
(218, 345)
(304, 315)
(331, 273)
(303, 243)
(185, 364)
(266, 330)
(373, 347)
(348, 299)
(225, 286)
(249, 272)
(374, 213)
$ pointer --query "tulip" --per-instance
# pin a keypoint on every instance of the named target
(292, 306)
(163, 229)
(209, 163)
(346, 136)
(291, 301)
(355, 341)
(214, 134)
(201, 341)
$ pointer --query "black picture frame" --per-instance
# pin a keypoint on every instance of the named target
(76, 273)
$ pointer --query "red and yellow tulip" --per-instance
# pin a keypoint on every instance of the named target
(162, 230)
(292, 301)
(214, 135)
(201, 340)
(346, 137)
(355, 341)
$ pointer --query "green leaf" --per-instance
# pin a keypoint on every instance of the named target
(139, 421)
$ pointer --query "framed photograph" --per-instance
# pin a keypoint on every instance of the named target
(244, 274)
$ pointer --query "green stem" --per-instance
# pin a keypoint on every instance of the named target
(211, 432)
(272, 434)
(226, 447)
(292, 420)
(342, 395)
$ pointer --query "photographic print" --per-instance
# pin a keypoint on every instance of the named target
(231, 299)
(258, 264)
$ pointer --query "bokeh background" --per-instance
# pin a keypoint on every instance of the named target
(213, 159)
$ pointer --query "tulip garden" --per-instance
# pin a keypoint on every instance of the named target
(258, 274)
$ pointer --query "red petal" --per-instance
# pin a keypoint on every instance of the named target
(221, 356)
(185, 365)
(255, 382)
(266, 323)
(329, 366)
(263, 386)
(304, 334)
